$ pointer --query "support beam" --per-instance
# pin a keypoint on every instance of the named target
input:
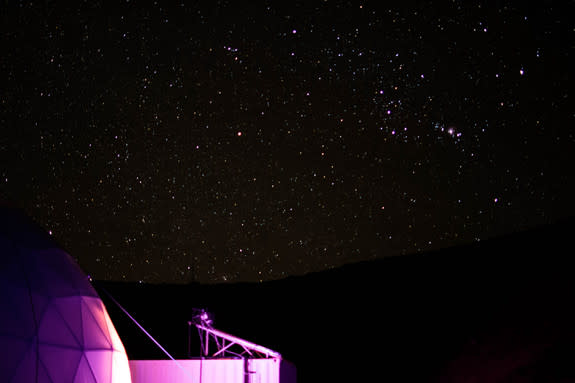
(246, 345)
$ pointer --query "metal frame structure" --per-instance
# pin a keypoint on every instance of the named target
(227, 345)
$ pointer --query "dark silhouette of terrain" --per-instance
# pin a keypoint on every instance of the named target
(494, 311)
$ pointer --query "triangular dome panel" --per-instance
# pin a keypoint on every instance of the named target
(11, 271)
(9, 252)
(60, 362)
(69, 269)
(43, 376)
(84, 372)
(94, 336)
(71, 309)
(26, 370)
(48, 273)
(101, 364)
(16, 301)
(40, 303)
(98, 310)
(12, 353)
(55, 331)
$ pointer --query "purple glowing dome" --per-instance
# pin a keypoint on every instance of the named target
(53, 326)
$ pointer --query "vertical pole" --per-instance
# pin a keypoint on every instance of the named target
(206, 351)
(189, 339)
(246, 369)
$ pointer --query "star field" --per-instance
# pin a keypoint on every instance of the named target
(223, 141)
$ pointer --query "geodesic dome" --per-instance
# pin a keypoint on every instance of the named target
(53, 326)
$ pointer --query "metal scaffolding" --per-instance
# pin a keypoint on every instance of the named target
(226, 345)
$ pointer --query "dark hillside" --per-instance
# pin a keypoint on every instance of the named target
(499, 310)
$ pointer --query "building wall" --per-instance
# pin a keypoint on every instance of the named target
(210, 371)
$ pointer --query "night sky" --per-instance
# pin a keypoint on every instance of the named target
(225, 141)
